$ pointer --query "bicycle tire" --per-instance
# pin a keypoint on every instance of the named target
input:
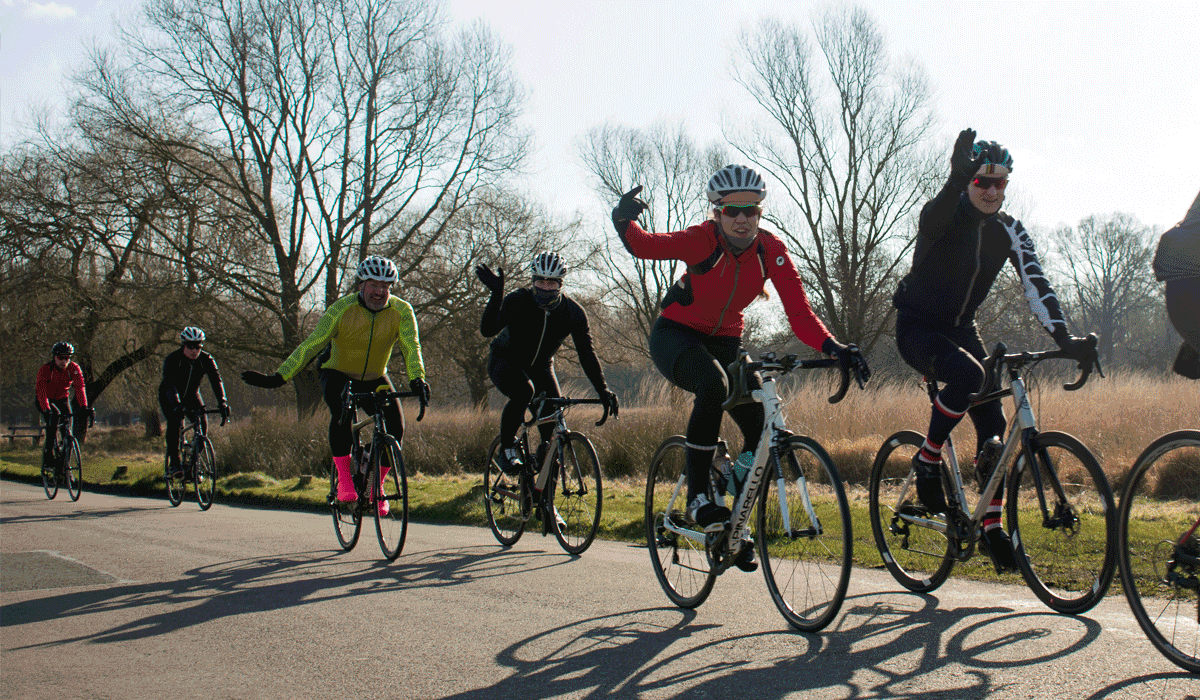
(174, 483)
(50, 476)
(1068, 571)
(390, 489)
(808, 572)
(205, 477)
(1159, 503)
(578, 497)
(347, 516)
(681, 564)
(922, 567)
(73, 470)
(503, 497)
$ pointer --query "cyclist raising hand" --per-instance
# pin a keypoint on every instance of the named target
(360, 330)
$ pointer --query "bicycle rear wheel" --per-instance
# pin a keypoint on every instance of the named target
(73, 470)
(806, 562)
(206, 474)
(389, 497)
(505, 498)
(174, 480)
(1068, 561)
(917, 557)
(578, 495)
(680, 562)
(50, 475)
(347, 516)
(1159, 545)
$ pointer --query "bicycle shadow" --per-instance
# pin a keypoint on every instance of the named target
(1180, 684)
(90, 514)
(250, 586)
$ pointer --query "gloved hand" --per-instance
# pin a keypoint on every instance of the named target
(609, 400)
(46, 415)
(963, 163)
(492, 280)
(262, 380)
(224, 409)
(91, 414)
(421, 389)
(629, 208)
(848, 356)
(1078, 349)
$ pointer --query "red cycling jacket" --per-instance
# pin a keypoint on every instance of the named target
(53, 383)
(718, 286)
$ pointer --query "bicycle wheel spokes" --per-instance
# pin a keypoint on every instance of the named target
(390, 497)
(680, 562)
(1064, 552)
(918, 557)
(578, 496)
(73, 470)
(50, 476)
(806, 562)
(502, 500)
(1159, 545)
(206, 475)
(347, 518)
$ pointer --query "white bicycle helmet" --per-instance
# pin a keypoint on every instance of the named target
(548, 265)
(377, 268)
(191, 334)
(735, 178)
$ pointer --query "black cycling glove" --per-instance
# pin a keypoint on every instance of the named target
(492, 280)
(963, 163)
(1078, 349)
(421, 389)
(263, 381)
(629, 208)
(609, 400)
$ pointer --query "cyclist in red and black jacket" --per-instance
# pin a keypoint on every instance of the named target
(963, 241)
(1177, 262)
(530, 324)
(54, 382)
(182, 372)
(699, 332)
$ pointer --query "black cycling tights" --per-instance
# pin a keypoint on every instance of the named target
(1183, 308)
(341, 435)
(696, 362)
(954, 357)
(520, 385)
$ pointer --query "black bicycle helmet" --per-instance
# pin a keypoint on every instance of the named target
(547, 265)
(990, 153)
(62, 348)
(735, 178)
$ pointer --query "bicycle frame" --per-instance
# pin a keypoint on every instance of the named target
(557, 438)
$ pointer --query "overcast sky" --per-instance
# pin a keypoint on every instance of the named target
(1099, 102)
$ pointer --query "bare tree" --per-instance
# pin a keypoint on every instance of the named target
(673, 170)
(847, 145)
(1106, 263)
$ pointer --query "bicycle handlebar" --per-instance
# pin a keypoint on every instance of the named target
(543, 400)
(350, 399)
(1000, 357)
(742, 367)
(205, 411)
(67, 414)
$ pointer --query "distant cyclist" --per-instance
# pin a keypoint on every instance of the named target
(530, 324)
(54, 382)
(182, 372)
(963, 241)
(1177, 262)
(699, 333)
(360, 331)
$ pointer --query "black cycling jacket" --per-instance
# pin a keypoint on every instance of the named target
(181, 379)
(1178, 254)
(529, 335)
(959, 254)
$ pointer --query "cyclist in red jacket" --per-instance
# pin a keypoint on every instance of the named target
(54, 381)
(699, 333)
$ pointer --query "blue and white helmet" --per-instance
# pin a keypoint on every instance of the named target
(191, 334)
(735, 178)
(377, 268)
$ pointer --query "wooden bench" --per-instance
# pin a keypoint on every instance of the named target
(25, 431)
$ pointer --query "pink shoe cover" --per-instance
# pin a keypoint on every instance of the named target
(345, 482)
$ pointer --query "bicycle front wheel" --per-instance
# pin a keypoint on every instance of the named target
(676, 547)
(73, 470)
(1063, 523)
(50, 475)
(504, 499)
(1159, 545)
(175, 483)
(578, 496)
(206, 475)
(804, 535)
(389, 485)
(918, 557)
(347, 516)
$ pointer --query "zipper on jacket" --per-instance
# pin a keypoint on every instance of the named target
(545, 324)
(974, 276)
(733, 290)
(370, 341)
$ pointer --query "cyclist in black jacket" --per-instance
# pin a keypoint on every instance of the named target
(963, 241)
(183, 370)
(530, 325)
(1177, 262)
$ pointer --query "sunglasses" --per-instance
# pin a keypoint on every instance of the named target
(984, 183)
(192, 346)
(749, 210)
(63, 357)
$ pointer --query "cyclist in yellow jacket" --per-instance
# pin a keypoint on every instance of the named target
(360, 331)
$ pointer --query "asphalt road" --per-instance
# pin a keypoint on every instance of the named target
(117, 597)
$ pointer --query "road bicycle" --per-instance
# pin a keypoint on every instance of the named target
(380, 479)
(197, 462)
(64, 465)
(1059, 509)
(565, 492)
(1159, 545)
(802, 531)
